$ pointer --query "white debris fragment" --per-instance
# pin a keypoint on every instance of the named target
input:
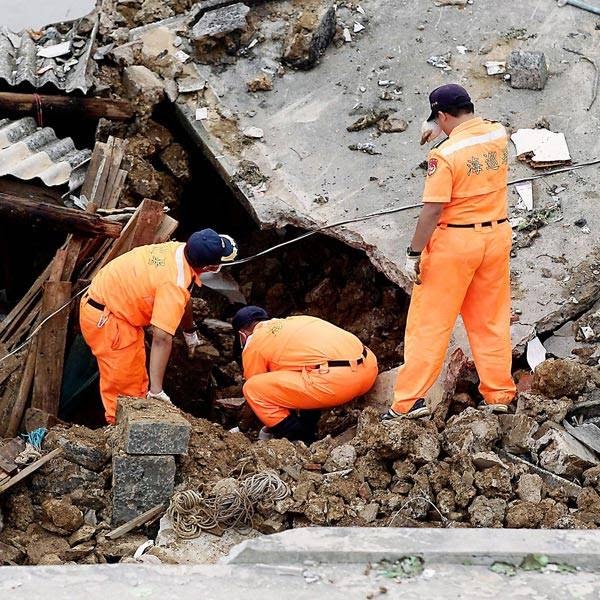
(361, 10)
(462, 49)
(181, 56)
(452, 2)
(385, 82)
(363, 89)
(358, 27)
(587, 332)
(55, 50)
(252, 44)
(202, 113)
(142, 548)
(347, 35)
(536, 353)
(44, 69)
(545, 145)
(525, 191)
(254, 133)
(441, 61)
(586, 229)
(495, 67)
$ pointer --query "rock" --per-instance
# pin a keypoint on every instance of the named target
(310, 35)
(551, 512)
(231, 403)
(485, 512)
(62, 514)
(591, 477)
(589, 501)
(342, 457)
(19, 509)
(446, 502)
(82, 446)
(563, 454)
(379, 397)
(523, 515)
(494, 482)
(254, 133)
(369, 513)
(152, 10)
(517, 433)
(78, 552)
(462, 479)
(543, 409)
(151, 427)
(43, 545)
(217, 327)
(143, 180)
(440, 396)
(471, 431)
(529, 488)
(176, 160)
(139, 484)
(113, 550)
(51, 559)
(558, 378)
(83, 534)
(220, 22)
(527, 70)
(485, 460)
(392, 125)
(158, 134)
(141, 81)
(261, 83)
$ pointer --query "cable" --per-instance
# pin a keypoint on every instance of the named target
(556, 171)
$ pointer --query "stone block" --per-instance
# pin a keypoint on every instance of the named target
(141, 81)
(140, 483)
(151, 427)
(220, 22)
(528, 70)
(310, 35)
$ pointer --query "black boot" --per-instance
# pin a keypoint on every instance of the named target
(294, 429)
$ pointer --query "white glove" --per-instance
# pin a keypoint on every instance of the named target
(159, 396)
(429, 131)
(412, 268)
(192, 341)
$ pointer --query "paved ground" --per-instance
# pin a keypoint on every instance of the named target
(220, 582)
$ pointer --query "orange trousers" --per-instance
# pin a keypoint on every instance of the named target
(273, 395)
(464, 271)
(119, 349)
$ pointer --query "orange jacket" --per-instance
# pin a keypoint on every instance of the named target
(468, 172)
(296, 342)
(149, 285)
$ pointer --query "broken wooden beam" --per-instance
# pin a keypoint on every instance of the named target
(136, 522)
(23, 473)
(88, 108)
(8, 453)
(61, 217)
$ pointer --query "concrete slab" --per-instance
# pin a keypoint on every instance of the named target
(348, 545)
(305, 151)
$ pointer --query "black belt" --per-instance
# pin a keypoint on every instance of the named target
(344, 363)
(473, 225)
(95, 304)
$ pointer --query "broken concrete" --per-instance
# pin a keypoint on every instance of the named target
(527, 70)
(221, 21)
(558, 378)
(139, 81)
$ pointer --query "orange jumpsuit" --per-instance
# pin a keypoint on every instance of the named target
(149, 285)
(463, 270)
(286, 367)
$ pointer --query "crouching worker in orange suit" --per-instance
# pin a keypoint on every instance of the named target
(459, 258)
(150, 285)
(298, 366)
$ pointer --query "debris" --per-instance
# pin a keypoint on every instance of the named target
(347, 35)
(536, 353)
(55, 50)
(371, 118)
(202, 113)
(527, 70)
(392, 125)
(587, 433)
(261, 83)
(580, 4)
(136, 522)
(495, 67)
(254, 133)
(141, 81)
(559, 378)
(405, 568)
(366, 147)
(562, 454)
(358, 27)
(220, 22)
(23, 473)
(441, 61)
(525, 191)
(541, 147)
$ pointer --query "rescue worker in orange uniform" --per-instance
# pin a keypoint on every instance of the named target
(149, 285)
(459, 258)
(297, 366)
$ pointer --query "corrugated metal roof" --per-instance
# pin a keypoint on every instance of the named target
(19, 60)
(28, 151)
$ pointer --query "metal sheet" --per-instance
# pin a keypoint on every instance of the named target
(20, 63)
(28, 151)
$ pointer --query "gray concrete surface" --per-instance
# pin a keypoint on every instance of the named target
(579, 548)
(305, 148)
(307, 582)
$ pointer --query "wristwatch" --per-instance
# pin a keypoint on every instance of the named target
(410, 252)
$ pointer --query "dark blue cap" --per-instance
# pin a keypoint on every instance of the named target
(447, 96)
(207, 247)
(247, 315)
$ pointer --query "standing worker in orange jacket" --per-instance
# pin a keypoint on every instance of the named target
(149, 285)
(297, 366)
(459, 258)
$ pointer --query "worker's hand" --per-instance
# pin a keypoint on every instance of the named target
(192, 341)
(158, 396)
(430, 130)
(412, 268)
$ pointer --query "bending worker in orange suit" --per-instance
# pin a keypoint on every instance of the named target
(459, 258)
(150, 285)
(297, 366)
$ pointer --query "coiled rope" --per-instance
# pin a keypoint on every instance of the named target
(230, 506)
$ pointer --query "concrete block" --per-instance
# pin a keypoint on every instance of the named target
(139, 483)
(220, 22)
(139, 80)
(151, 427)
(528, 70)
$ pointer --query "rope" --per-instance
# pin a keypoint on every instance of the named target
(230, 507)
(36, 437)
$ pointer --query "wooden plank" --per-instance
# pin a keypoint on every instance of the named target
(8, 366)
(117, 188)
(59, 217)
(8, 453)
(166, 230)
(103, 170)
(72, 254)
(92, 172)
(73, 106)
(135, 522)
(22, 399)
(58, 264)
(28, 470)
(114, 168)
(51, 348)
